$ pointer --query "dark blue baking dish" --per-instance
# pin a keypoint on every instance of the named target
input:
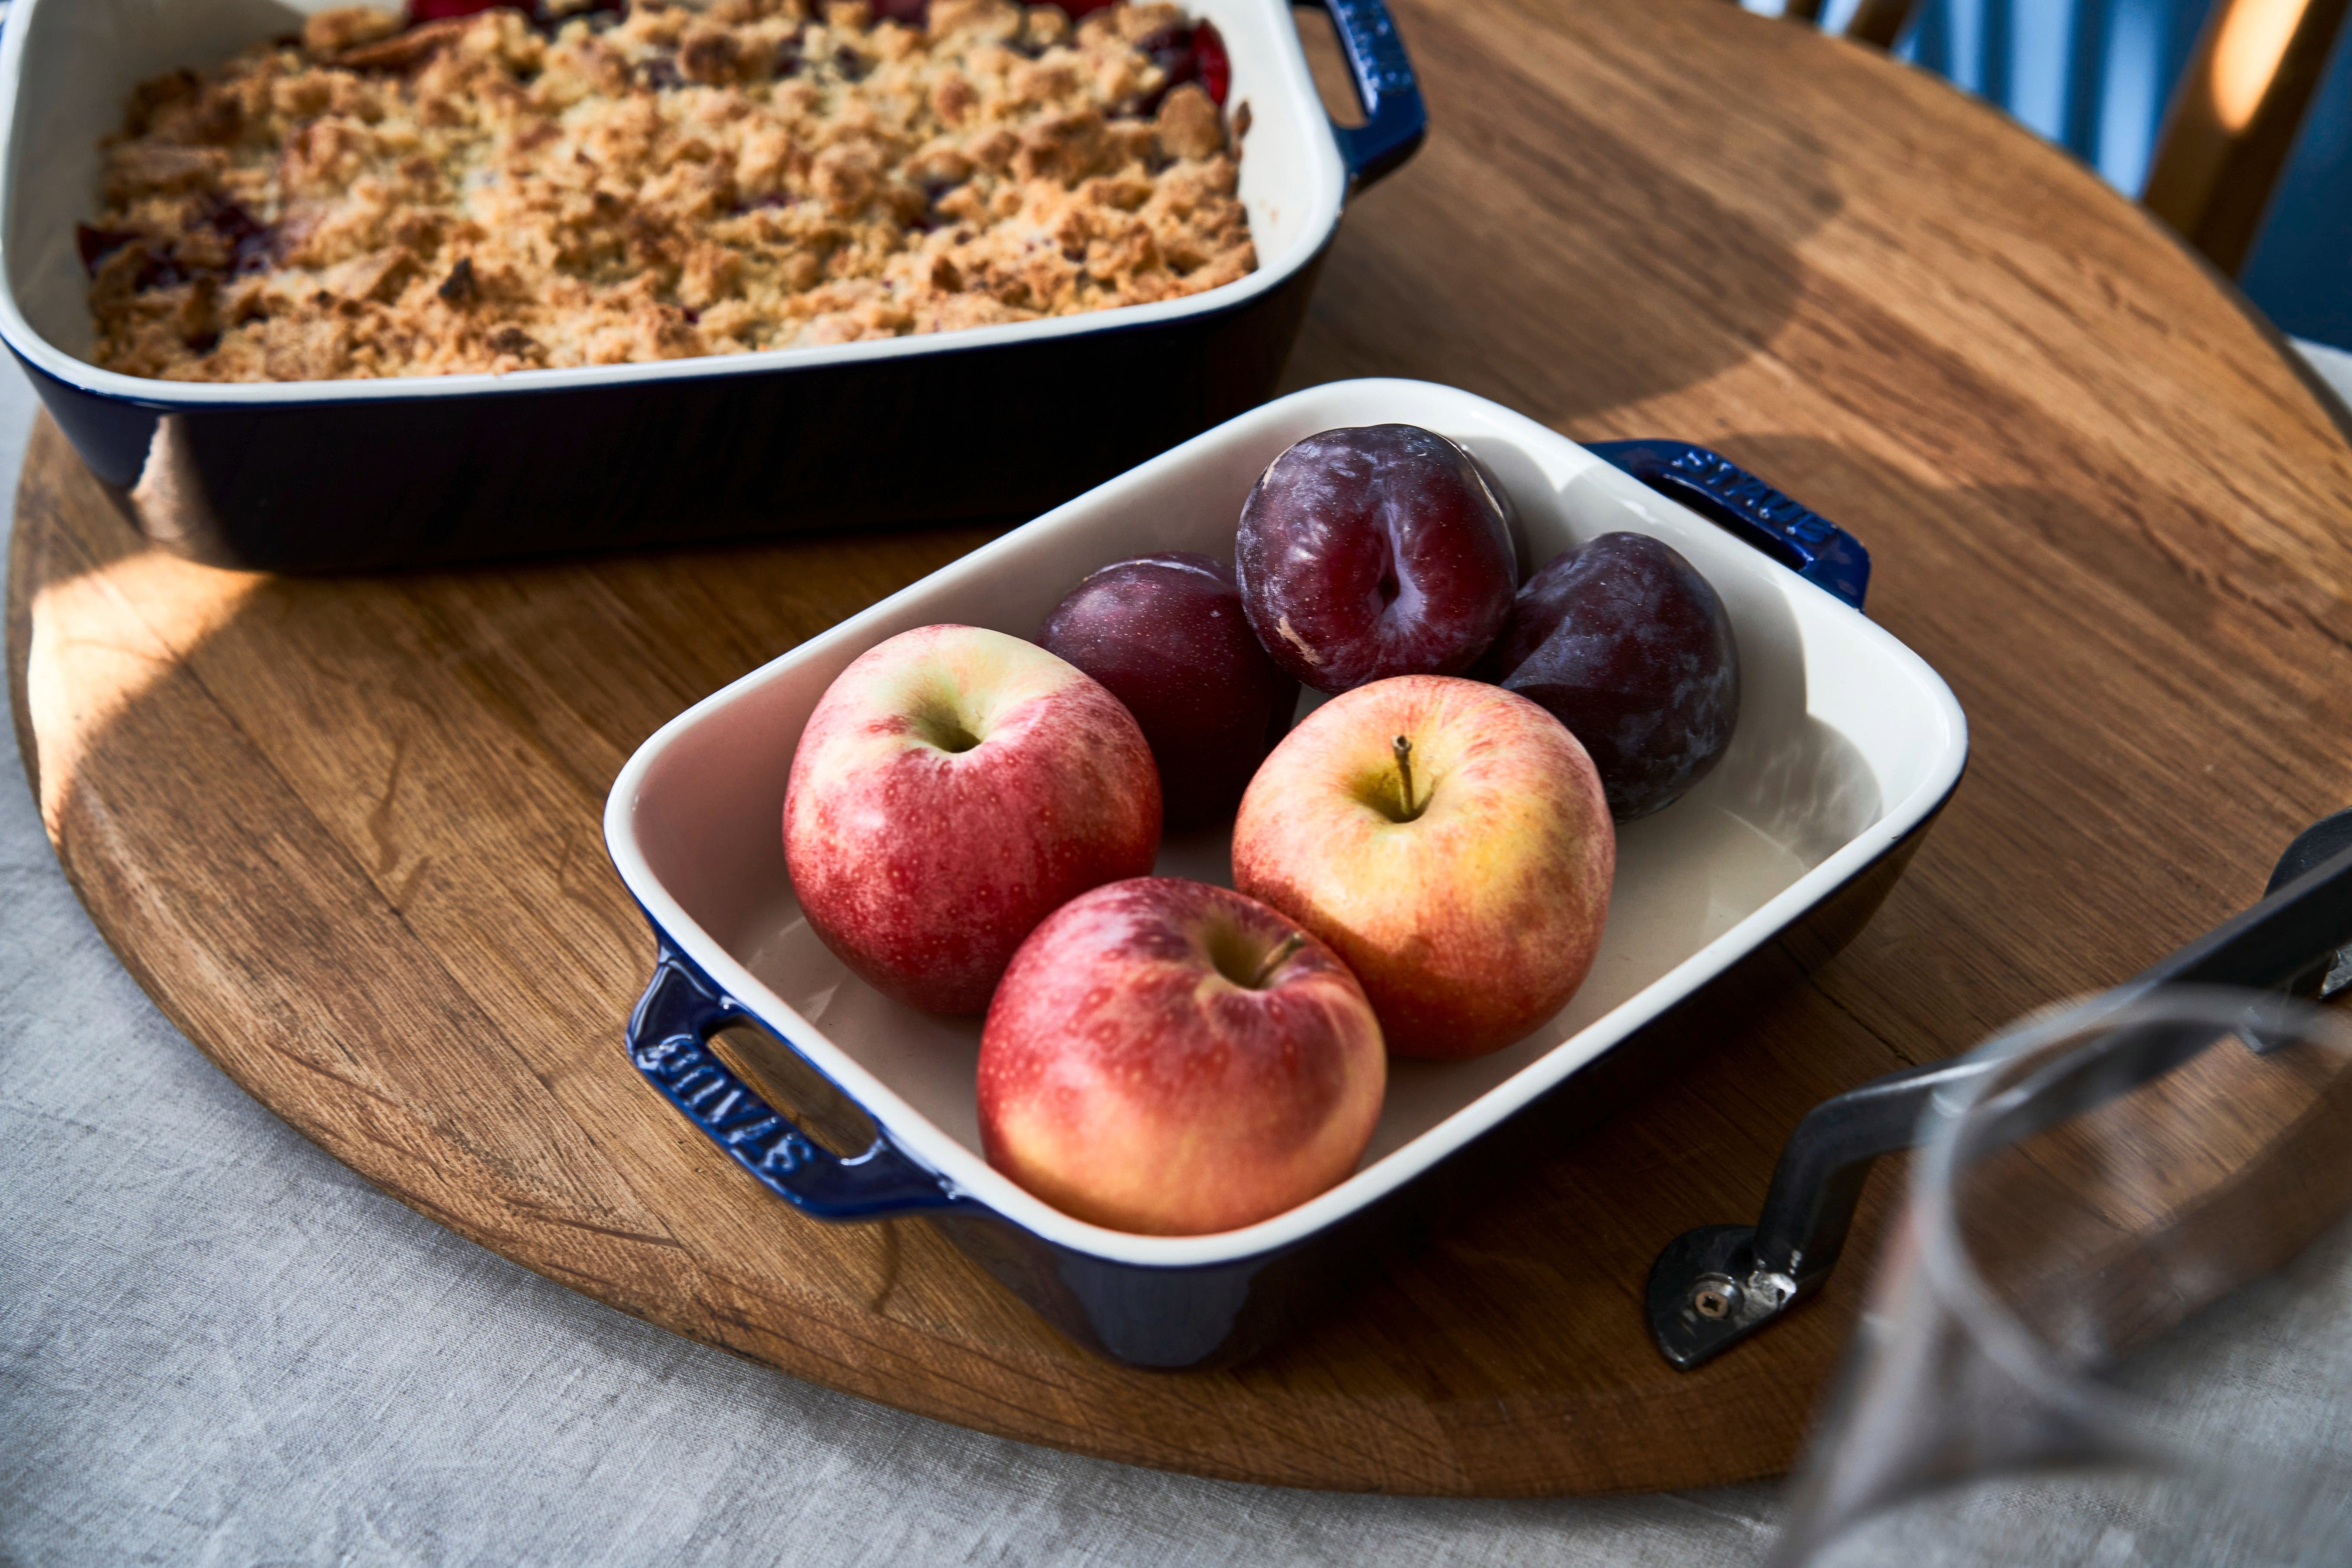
(341, 475)
(1848, 746)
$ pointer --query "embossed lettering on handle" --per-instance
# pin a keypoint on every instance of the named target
(669, 1035)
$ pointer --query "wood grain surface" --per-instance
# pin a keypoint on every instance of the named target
(346, 833)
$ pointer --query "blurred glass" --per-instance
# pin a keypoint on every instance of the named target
(2112, 1324)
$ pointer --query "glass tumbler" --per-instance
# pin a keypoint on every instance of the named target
(2114, 1322)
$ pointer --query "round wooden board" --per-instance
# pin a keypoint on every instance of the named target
(346, 833)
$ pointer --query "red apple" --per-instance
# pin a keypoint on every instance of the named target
(954, 787)
(1451, 842)
(1174, 1058)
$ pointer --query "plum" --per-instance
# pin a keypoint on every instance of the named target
(1167, 635)
(1374, 551)
(1626, 643)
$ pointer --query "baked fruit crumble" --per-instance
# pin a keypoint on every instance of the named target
(499, 190)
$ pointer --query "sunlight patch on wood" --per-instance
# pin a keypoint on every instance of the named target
(100, 640)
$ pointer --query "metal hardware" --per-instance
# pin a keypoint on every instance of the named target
(2295, 940)
(1715, 1297)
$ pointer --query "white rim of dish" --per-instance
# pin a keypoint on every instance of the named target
(1291, 74)
(915, 1135)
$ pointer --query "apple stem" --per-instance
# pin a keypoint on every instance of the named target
(1276, 959)
(1403, 749)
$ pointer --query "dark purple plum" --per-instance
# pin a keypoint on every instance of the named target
(1374, 551)
(1167, 635)
(1628, 646)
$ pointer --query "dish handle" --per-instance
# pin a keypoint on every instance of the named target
(1395, 120)
(669, 1042)
(1720, 490)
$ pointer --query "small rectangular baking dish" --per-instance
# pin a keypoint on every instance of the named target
(1848, 745)
(330, 476)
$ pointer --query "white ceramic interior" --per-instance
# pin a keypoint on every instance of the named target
(1846, 741)
(68, 68)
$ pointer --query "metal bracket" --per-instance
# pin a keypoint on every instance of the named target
(1714, 1286)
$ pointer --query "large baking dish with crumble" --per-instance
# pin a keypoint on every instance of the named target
(995, 420)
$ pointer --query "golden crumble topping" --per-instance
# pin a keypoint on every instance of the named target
(477, 193)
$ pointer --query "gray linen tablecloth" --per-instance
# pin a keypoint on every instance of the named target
(217, 1345)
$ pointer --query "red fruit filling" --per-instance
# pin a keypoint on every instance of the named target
(1190, 54)
(1213, 66)
(421, 11)
(97, 244)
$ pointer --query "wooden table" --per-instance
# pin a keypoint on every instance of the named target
(346, 833)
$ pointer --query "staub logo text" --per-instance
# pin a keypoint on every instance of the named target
(707, 1092)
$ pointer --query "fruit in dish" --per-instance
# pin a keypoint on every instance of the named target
(1450, 841)
(1374, 551)
(1174, 1058)
(1167, 635)
(953, 787)
(1424, 864)
(1623, 641)
(497, 191)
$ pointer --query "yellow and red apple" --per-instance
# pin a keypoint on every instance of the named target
(954, 787)
(1171, 1057)
(1451, 842)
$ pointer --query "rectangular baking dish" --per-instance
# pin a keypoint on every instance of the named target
(1848, 744)
(329, 476)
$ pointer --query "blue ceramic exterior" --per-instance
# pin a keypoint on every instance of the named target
(360, 486)
(1008, 430)
(1790, 532)
(1177, 1318)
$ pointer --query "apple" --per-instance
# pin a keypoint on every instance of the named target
(1451, 842)
(1171, 1057)
(953, 787)
(1373, 552)
(1167, 635)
